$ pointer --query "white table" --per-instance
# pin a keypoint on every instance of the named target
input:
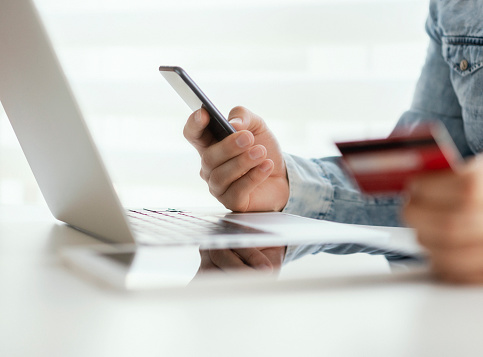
(47, 310)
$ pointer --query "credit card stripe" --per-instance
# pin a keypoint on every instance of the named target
(387, 161)
(372, 145)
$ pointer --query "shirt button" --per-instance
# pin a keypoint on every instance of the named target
(464, 65)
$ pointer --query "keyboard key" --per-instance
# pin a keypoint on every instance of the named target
(180, 226)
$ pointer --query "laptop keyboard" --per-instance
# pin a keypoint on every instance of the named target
(175, 226)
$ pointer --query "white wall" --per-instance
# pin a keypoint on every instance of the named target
(315, 70)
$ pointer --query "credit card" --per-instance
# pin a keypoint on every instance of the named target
(384, 166)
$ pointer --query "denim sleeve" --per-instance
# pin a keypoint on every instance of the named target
(319, 188)
(435, 97)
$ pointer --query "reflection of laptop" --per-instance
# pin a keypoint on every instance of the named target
(72, 177)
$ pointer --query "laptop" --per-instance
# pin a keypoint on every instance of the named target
(73, 179)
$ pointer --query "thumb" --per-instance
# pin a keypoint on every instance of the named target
(243, 119)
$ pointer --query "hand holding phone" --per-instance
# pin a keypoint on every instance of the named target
(189, 91)
(245, 169)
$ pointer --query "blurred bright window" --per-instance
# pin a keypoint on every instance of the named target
(315, 70)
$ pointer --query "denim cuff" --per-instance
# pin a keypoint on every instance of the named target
(294, 252)
(311, 194)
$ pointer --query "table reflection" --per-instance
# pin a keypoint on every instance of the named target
(150, 267)
(147, 267)
(266, 260)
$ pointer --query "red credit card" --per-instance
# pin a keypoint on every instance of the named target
(383, 166)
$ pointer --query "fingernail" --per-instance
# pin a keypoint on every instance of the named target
(256, 153)
(265, 166)
(236, 121)
(243, 140)
(198, 117)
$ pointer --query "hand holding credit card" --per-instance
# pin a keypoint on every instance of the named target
(384, 166)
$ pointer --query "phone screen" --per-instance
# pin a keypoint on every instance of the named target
(194, 97)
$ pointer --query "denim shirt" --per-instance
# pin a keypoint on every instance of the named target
(450, 89)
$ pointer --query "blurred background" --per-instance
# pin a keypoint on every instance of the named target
(315, 70)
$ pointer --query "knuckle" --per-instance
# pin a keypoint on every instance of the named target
(242, 164)
(216, 182)
(206, 161)
(203, 175)
(212, 190)
(240, 205)
(239, 208)
(252, 177)
(236, 201)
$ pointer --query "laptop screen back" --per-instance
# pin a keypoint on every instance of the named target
(49, 126)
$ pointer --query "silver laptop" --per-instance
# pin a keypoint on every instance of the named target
(73, 179)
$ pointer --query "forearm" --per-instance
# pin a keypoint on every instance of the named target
(320, 188)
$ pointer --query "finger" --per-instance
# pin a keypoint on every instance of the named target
(432, 189)
(459, 189)
(226, 259)
(243, 119)
(438, 227)
(276, 255)
(461, 262)
(237, 196)
(239, 123)
(228, 148)
(224, 175)
(206, 265)
(461, 279)
(240, 117)
(195, 130)
(254, 258)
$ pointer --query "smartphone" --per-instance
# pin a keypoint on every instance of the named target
(189, 91)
